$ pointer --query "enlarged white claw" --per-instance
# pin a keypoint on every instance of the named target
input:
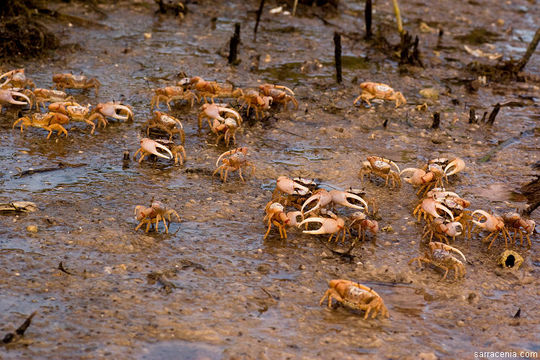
(445, 209)
(151, 147)
(457, 164)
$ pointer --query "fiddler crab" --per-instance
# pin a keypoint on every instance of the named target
(429, 207)
(211, 89)
(169, 150)
(433, 174)
(495, 224)
(275, 215)
(225, 130)
(233, 160)
(253, 100)
(50, 121)
(74, 111)
(111, 109)
(441, 228)
(514, 222)
(440, 255)
(213, 112)
(48, 95)
(166, 123)
(70, 81)
(355, 296)
(154, 214)
(279, 94)
(381, 167)
(289, 190)
(9, 97)
(325, 198)
(363, 224)
(172, 93)
(372, 90)
(332, 225)
(15, 79)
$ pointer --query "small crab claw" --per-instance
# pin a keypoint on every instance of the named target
(453, 249)
(416, 177)
(7, 96)
(328, 226)
(290, 187)
(341, 198)
(233, 112)
(324, 198)
(430, 206)
(456, 165)
(151, 147)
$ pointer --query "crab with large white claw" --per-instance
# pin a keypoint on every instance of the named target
(381, 167)
(16, 79)
(150, 147)
(7, 97)
(213, 111)
(284, 185)
(520, 226)
(441, 228)
(328, 226)
(428, 208)
(339, 197)
(433, 177)
(492, 223)
(450, 167)
(112, 110)
(440, 255)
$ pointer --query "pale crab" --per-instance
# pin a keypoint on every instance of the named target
(253, 100)
(441, 228)
(279, 94)
(440, 255)
(166, 123)
(233, 160)
(8, 97)
(433, 174)
(172, 93)
(154, 214)
(48, 121)
(428, 208)
(494, 224)
(111, 109)
(75, 112)
(169, 150)
(456, 205)
(225, 130)
(381, 167)
(325, 198)
(514, 222)
(16, 79)
(70, 81)
(363, 224)
(372, 90)
(287, 186)
(333, 225)
(355, 296)
(48, 95)
(275, 214)
(211, 89)
(213, 112)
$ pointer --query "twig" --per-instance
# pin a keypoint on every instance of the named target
(367, 15)
(10, 337)
(337, 56)
(472, 116)
(259, 13)
(233, 45)
(493, 114)
(59, 167)
(61, 268)
(398, 16)
(436, 120)
(530, 50)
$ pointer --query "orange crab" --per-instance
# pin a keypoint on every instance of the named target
(70, 81)
(279, 94)
(372, 90)
(154, 214)
(166, 123)
(381, 167)
(275, 214)
(233, 160)
(172, 93)
(253, 100)
(49, 121)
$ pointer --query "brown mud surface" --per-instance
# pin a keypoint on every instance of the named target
(236, 295)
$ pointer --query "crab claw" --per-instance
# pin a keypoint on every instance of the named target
(456, 165)
(110, 110)
(6, 96)
(417, 178)
(430, 206)
(242, 150)
(453, 249)
(328, 226)
(492, 222)
(152, 146)
(341, 198)
(324, 198)
(290, 187)
(293, 217)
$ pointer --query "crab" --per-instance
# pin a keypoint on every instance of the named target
(372, 90)
(48, 95)
(381, 167)
(225, 130)
(333, 225)
(211, 89)
(433, 173)
(155, 213)
(440, 255)
(363, 224)
(355, 296)
(8, 96)
(166, 123)
(287, 186)
(16, 79)
(275, 214)
(172, 93)
(111, 109)
(233, 160)
(456, 205)
(519, 226)
(428, 208)
(49, 121)
(279, 94)
(212, 112)
(253, 100)
(494, 224)
(325, 198)
(441, 228)
(70, 81)
(74, 111)
(150, 147)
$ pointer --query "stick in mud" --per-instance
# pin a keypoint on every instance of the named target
(436, 120)
(530, 50)
(10, 337)
(493, 114)
(337, 54)
(259, 13)
(472, 116)
(233, 45)
(367, 16)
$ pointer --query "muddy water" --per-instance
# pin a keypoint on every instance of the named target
(237, 295)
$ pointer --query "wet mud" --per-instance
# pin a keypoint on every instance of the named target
(213, 288)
